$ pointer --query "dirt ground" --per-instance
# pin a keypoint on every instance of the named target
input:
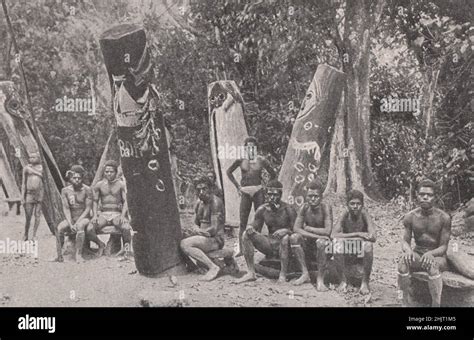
(109, 282)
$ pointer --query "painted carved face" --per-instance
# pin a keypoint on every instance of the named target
(309, 101)
(217, 97)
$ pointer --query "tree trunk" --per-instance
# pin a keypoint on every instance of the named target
(336, 183)
(360, 20)
(143, 150)
(21, 138)
(227, 133)
(308, 149)
(430, 80)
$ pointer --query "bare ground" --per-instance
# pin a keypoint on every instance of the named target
(109, 282)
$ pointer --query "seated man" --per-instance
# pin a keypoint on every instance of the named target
(210, 234)
(77, 203)
(431, 228)
(279, 218)
(353, 237)
(110, 195)
(313, 226)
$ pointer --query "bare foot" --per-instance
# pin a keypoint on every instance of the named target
(342, 288)
(211, 274)
(281, 279)
(364, 288)
(100, 251)
(304, 278)
(247, 277)
(79, 259)
(321, 287)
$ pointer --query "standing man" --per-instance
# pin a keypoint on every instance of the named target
(279, 218)
(353, 239)
(209, 233)
(77, 204)
(250, 188)
(313, 226)
(431, 229)
(110, 208)
(32, 192)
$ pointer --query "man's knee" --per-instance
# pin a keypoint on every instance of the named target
(434, 270)
(184, 245)
(296, 238)
(82, 225)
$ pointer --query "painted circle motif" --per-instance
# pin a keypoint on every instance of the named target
(160, 186)
(299, 179)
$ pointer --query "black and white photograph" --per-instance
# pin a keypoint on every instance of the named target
(237, 153)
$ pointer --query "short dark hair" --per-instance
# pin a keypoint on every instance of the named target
(355, 194)
(250, 139)
(111, 163)
(315, 185)
(427, 183)
(274, 184)
(202, 180)
(77, 169)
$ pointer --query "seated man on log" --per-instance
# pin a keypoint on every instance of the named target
(110, 195)
(431, 228)
(313, 227)
(77, 203)
(353, 239)
(32, 192)
(279, 218)
(209, 235)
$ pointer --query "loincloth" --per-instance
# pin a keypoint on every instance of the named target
(251, 190)
(109, 215)
(34, 196)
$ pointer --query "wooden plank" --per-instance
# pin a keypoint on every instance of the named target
(308, 149)
(227, 130)
(6, 174)
(450, 279)
(22, 139)
(143, 149)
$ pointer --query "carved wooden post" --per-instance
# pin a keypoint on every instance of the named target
(310, 140)
(143, 149)
(227, 132)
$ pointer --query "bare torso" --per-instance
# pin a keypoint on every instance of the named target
(354, 224)
(110, 195)
(251, 171)
(427, 228)
(314, 217)
(33, 181)
(274, 219)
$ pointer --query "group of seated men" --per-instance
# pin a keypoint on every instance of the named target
(89, 210)
(289, 232)
(310, 231)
